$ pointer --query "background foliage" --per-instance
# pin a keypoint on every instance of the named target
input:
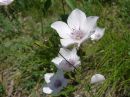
(28, 44)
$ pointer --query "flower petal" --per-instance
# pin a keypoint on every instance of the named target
(91, 22)
(60, 74)
(89, 25)
(48, 76)
(71, 56)
(64, 65)
(57, 60)
(74, 55)
(64, 82)
(62, 29)
(6, 2)
(76, 19)
(64, 52)
(97, 78)
(56, 91)
(77, 63)
(74, 51)
(99, 32)
(67, 42)
(47, 89)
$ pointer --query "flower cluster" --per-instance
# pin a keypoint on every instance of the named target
(77, 30)
(6, 2)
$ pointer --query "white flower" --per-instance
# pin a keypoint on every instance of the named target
(78, 28)
(97, 78)
(6, 2)
(68, 60)
(55, 82)
(97, 34)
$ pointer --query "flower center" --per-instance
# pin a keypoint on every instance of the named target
(57, 83)
(77, 34)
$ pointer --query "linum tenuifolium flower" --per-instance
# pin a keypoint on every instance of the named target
(55, 82)
(78, 29)
(6, 2)
(67, 60)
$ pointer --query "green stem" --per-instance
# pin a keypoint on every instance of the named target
(63, 6)
(41, 15)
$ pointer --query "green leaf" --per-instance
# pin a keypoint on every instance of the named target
(71, 3)
(87, 87)
(128, 53)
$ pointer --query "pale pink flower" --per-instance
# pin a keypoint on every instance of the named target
(55, 82)
(6, 2)
(78, 28)
(67, 60)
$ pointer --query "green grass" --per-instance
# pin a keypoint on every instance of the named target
(28, 44)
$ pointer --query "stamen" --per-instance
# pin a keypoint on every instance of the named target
(77, 34)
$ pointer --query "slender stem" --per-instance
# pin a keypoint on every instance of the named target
(42, 26)
(41, 15)
(63, 6)
(7, 12)
(82, 1)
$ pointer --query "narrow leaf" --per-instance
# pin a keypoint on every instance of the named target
(71, 3)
